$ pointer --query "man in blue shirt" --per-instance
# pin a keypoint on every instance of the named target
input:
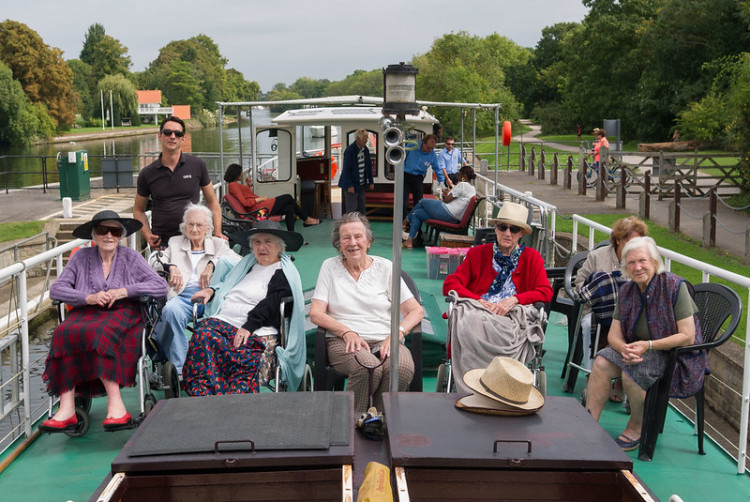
(415, 167)
(356, 173)
(452, 161)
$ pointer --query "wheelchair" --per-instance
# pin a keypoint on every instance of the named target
(150, 310)
(273, 379)
(445, 378)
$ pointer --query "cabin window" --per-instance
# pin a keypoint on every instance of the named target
(372, 145)
(275, 156)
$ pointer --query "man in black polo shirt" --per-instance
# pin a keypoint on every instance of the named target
(172, 181)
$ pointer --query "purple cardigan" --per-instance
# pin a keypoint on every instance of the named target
(84, 275)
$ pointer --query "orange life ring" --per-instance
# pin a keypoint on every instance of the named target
(506, 133)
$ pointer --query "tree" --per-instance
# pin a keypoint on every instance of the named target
(82, 87)
(236, 88)
(40, 69)
(310, 88)
(281, 92)
(20, 120)
(203, 63)
(105, 54)
(359, 83)
(124, 99)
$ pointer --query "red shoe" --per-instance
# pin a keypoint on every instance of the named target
(52, 425)
(118, 422)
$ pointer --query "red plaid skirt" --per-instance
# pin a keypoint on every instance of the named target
(94, 343)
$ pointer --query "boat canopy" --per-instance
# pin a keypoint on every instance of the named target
(342, 115)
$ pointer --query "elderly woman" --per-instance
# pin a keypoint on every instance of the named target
(606, 260)
(641, 334)
(283, 205)
(352, 302)
(450, 209)
(234, 346)
(95, 350)
(190, 260)
(498, 277)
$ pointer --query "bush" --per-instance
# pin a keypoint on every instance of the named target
(207, 118)
(94, 122)
(555, 119)
(704, 120)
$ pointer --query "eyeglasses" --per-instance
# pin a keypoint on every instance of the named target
(502, 227)
(169, 132)
(102, 230)
(449, 144)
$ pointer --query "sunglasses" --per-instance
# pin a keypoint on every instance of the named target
(169, 132)
(102, 230)
(502, 227)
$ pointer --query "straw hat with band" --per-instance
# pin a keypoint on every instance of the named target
(293, 240)
(514, 214)
(84, 231)
(508, 382)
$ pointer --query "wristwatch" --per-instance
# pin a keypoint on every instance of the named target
(403, 331)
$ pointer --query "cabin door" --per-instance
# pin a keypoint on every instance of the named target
(274, 161)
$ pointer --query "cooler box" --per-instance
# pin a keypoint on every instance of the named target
(441, 261)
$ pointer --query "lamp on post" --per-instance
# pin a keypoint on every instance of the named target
(400, 99)
(400, 89)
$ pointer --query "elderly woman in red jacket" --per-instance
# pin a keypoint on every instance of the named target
(498, 276)
(502, 275)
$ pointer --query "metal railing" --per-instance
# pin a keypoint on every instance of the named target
(707, 271)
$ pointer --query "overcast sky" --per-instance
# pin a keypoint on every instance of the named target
(274, 41)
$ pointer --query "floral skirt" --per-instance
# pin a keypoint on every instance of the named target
(94, 343)
(214, 366)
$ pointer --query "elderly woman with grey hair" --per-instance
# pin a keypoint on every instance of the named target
(352, 302)
(189, 261)
(655, 313)
(233, 347)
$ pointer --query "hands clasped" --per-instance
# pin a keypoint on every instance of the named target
(106, 298)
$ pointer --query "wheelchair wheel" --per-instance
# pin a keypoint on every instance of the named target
(149, 401)
(171, 380)
(83, 422)
(541, 382)
(307, 383)
(442, 378)
(83, 403)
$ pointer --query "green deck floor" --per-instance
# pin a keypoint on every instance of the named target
(58, 468)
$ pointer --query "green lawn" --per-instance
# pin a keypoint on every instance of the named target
(89, 130)
(678, 243)
(19, 230)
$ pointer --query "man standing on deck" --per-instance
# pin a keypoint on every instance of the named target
(356, 173)
(415, 167)
(451, 158)
(172, 181)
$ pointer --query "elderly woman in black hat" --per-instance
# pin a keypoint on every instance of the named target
(234, 345)
(95, 350)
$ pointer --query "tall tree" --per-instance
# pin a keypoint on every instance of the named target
(40, 69)
(82, 86)
(236, 88)
(105, 54)
(361, 83)
(20, 121)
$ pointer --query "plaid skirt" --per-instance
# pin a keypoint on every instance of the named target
(214, 366)
(95, 343)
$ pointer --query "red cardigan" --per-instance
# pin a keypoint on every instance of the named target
(247, 197)
(475, 274)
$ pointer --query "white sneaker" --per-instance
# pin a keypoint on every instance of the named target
(404, 236)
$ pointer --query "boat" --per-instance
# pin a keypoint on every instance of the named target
(54, 467)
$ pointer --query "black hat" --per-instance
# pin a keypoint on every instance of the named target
(84, 231)
(293, 240)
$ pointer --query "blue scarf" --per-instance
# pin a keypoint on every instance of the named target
(504, 266)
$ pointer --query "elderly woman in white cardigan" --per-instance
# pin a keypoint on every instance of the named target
(190, 260)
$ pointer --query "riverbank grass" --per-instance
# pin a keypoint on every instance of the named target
(14, 231)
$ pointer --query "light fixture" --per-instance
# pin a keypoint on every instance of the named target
(400, 89)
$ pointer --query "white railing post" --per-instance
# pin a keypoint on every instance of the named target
(23, 305)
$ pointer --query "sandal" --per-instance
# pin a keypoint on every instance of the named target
(626, 443)
(616, 395)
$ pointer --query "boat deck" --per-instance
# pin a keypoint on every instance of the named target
(55, 467)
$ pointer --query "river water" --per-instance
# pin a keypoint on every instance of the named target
(24, 167)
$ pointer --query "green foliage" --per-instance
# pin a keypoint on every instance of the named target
(310, 88)
(281, 92)
(465, 68)
(20, 121)
(40, 69)
(82, 84)
(738, 101)
(124, 99)
(704, 120)
(236, 88)
(359, 83)
(105, 54)
(555, 118)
